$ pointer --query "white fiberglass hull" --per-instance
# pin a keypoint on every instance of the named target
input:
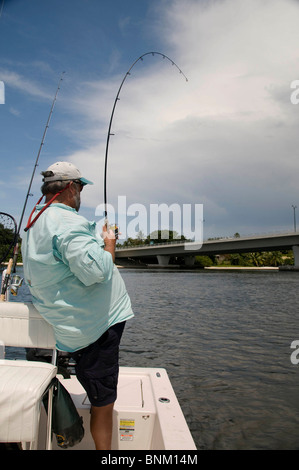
(147, 415)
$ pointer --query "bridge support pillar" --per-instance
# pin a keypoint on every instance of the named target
(189, 260)
(296, 255)
(163, 260)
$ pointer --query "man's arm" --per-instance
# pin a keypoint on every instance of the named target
(85, 255)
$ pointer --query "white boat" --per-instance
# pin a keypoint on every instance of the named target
(147, 414)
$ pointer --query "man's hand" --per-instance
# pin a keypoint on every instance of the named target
(109, 241)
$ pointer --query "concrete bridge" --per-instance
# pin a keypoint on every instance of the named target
(164, 251)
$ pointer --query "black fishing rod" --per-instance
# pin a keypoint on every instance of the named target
(39, 152)
(13, 261)
(112, 114)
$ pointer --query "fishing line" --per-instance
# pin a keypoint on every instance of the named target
(112, 114)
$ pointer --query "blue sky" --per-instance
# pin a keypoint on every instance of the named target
(228, 138)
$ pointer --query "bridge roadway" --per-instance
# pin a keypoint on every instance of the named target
(163, 251)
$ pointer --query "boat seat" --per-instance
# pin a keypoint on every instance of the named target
(24, 383)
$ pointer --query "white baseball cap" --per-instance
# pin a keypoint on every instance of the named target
(63, 171)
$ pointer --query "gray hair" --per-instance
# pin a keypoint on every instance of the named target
(52, 187)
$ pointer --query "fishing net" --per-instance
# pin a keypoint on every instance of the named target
(8, 235)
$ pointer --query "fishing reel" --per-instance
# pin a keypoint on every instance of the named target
(114, 229)
(15, 284)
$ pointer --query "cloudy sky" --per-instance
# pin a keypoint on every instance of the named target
(228, 138)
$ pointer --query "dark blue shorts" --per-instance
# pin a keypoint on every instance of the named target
(97, 366)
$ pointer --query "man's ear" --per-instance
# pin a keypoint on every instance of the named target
(72, 187)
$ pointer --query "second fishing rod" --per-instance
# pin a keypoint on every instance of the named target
(16, 281)
(109, 134)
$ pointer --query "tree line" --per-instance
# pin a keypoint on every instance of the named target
(254, 259)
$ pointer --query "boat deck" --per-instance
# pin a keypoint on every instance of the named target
(147, 415)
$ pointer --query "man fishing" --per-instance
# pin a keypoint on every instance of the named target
(75, 285)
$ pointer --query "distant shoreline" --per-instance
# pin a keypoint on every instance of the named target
(244, 268)
(198, 268)
(212, 268)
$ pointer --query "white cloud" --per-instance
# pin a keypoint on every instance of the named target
(22, 84)
(227, 138)
(14, 111)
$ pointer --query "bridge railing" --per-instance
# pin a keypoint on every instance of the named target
(148, 245)
(210, 240)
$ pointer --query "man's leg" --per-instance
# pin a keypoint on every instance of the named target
(97, 371)
(101, 426)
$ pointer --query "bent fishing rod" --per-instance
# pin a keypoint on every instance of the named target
(112, 114)
(13, 261)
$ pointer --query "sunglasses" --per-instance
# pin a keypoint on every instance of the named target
(80, 184)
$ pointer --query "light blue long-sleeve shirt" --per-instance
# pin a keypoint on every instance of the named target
(73, 281)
